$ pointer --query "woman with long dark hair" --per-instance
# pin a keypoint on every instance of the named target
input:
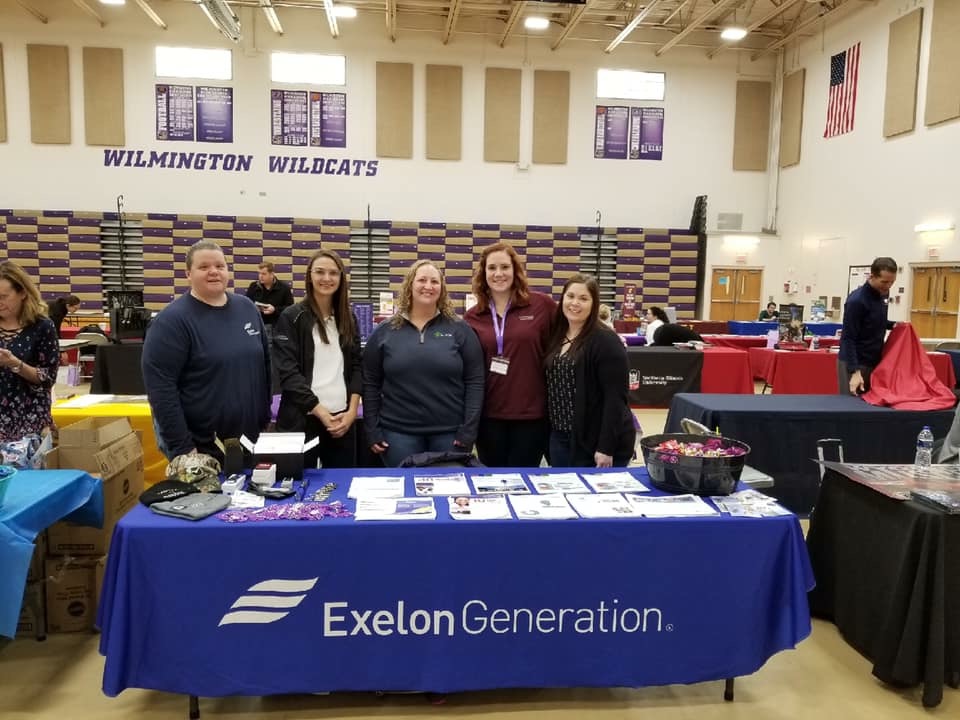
(591, 424)
(316, 346)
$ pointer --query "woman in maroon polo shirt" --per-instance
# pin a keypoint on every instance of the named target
(513, 323)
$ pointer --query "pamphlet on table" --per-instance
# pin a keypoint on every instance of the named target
(670, 506)
(614, 482)
(602, 505)
(487, 507)
(542, 507)
(376, 486)
(500, 483)
(550, 483)
(749, 503)
(395, 509)
(446, 484)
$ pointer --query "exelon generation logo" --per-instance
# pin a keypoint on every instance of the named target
(272, 600)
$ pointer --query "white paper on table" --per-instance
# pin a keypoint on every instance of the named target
(244, 499)
(370, 486)
(488, 507)
(500, 484)
(542, 507)
(82, 401)
(448, 484)
(614, 482)
(602, 505)
(671, 506)
(549, 483)
(395, 509)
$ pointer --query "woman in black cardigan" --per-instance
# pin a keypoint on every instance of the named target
(316, 348)
(591, 424)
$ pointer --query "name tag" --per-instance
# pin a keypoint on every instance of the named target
(499, 365)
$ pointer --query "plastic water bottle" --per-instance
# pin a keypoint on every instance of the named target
(924, 456)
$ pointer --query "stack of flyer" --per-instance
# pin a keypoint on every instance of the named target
(749, 503)
(602, 505)
(487, 507)
(376, 486)
(395, 509)
(550, 483)
(542, 507)
(446, 484)
(614, 482)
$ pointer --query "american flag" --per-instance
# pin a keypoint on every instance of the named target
(844, 72)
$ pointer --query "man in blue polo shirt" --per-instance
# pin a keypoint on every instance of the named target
(865, 326)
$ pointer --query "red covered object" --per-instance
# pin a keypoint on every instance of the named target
(905, 379)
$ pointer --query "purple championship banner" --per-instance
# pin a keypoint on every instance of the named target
(174, 104)
(328, 119)
(651, 134)
(288, 117)
(214, 114)
(611, 133)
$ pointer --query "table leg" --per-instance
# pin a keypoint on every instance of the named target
(194, 707)
(728, 689)
(932, 694)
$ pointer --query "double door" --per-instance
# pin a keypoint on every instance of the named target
(935, 300)
(735, 293)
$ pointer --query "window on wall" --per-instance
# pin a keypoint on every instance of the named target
(188, 62)
(630, 84)
(369, 264)
(598, 257)
(308, 68)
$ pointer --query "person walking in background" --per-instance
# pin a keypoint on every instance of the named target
(316, 348)
(422, 374)
(270, 294)
(61, 307)
(513, 324)
(865, 325)
(656, 318)
(29, 356)
(591, 424)
(206, 362)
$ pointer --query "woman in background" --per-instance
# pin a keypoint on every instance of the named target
(656, 318)
(422, 374)
(316, 346)
(591, 424)
(513, 324)
(61, 307)
(29, 356)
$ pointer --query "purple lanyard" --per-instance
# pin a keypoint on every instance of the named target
(498, 328)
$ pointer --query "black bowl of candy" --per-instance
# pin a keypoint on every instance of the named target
(697, 464)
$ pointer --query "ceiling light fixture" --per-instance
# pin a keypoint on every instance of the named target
(733, 33)
(536, 22)
(345, 11)
(113, 2)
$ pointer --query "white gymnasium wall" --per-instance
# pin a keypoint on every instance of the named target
(699, 112)
(858, 196)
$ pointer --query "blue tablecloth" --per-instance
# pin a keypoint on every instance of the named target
(739, 327)
(782, 432)
(446, 605)
(35, 500)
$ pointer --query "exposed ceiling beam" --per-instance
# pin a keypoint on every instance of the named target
(331, 18)
(784, 6)
(392, 20)
(33, 11)
(676, 10)
(571, 23)
(799, 30)
(694, 24)
(632, 25)
(151, 13)
(90, 11)
(515, 13)
(451, 19)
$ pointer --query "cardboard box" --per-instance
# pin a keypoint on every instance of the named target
(102, 460)
(96, 432)
(32, 620)
(120, 493)
(285, 450)
(73, 591)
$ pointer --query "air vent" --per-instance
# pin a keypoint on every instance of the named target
(729, 221)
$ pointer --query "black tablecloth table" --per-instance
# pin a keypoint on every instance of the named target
(888, 576)
(658, 373)
(116, 370)
(783, 430)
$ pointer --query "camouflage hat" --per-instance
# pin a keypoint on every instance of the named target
(201, 471)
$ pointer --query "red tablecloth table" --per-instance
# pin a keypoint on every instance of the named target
(726, 370)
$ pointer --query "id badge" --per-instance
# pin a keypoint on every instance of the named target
(499, 365)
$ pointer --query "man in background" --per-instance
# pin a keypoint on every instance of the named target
(270, 294)
(865, 326)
